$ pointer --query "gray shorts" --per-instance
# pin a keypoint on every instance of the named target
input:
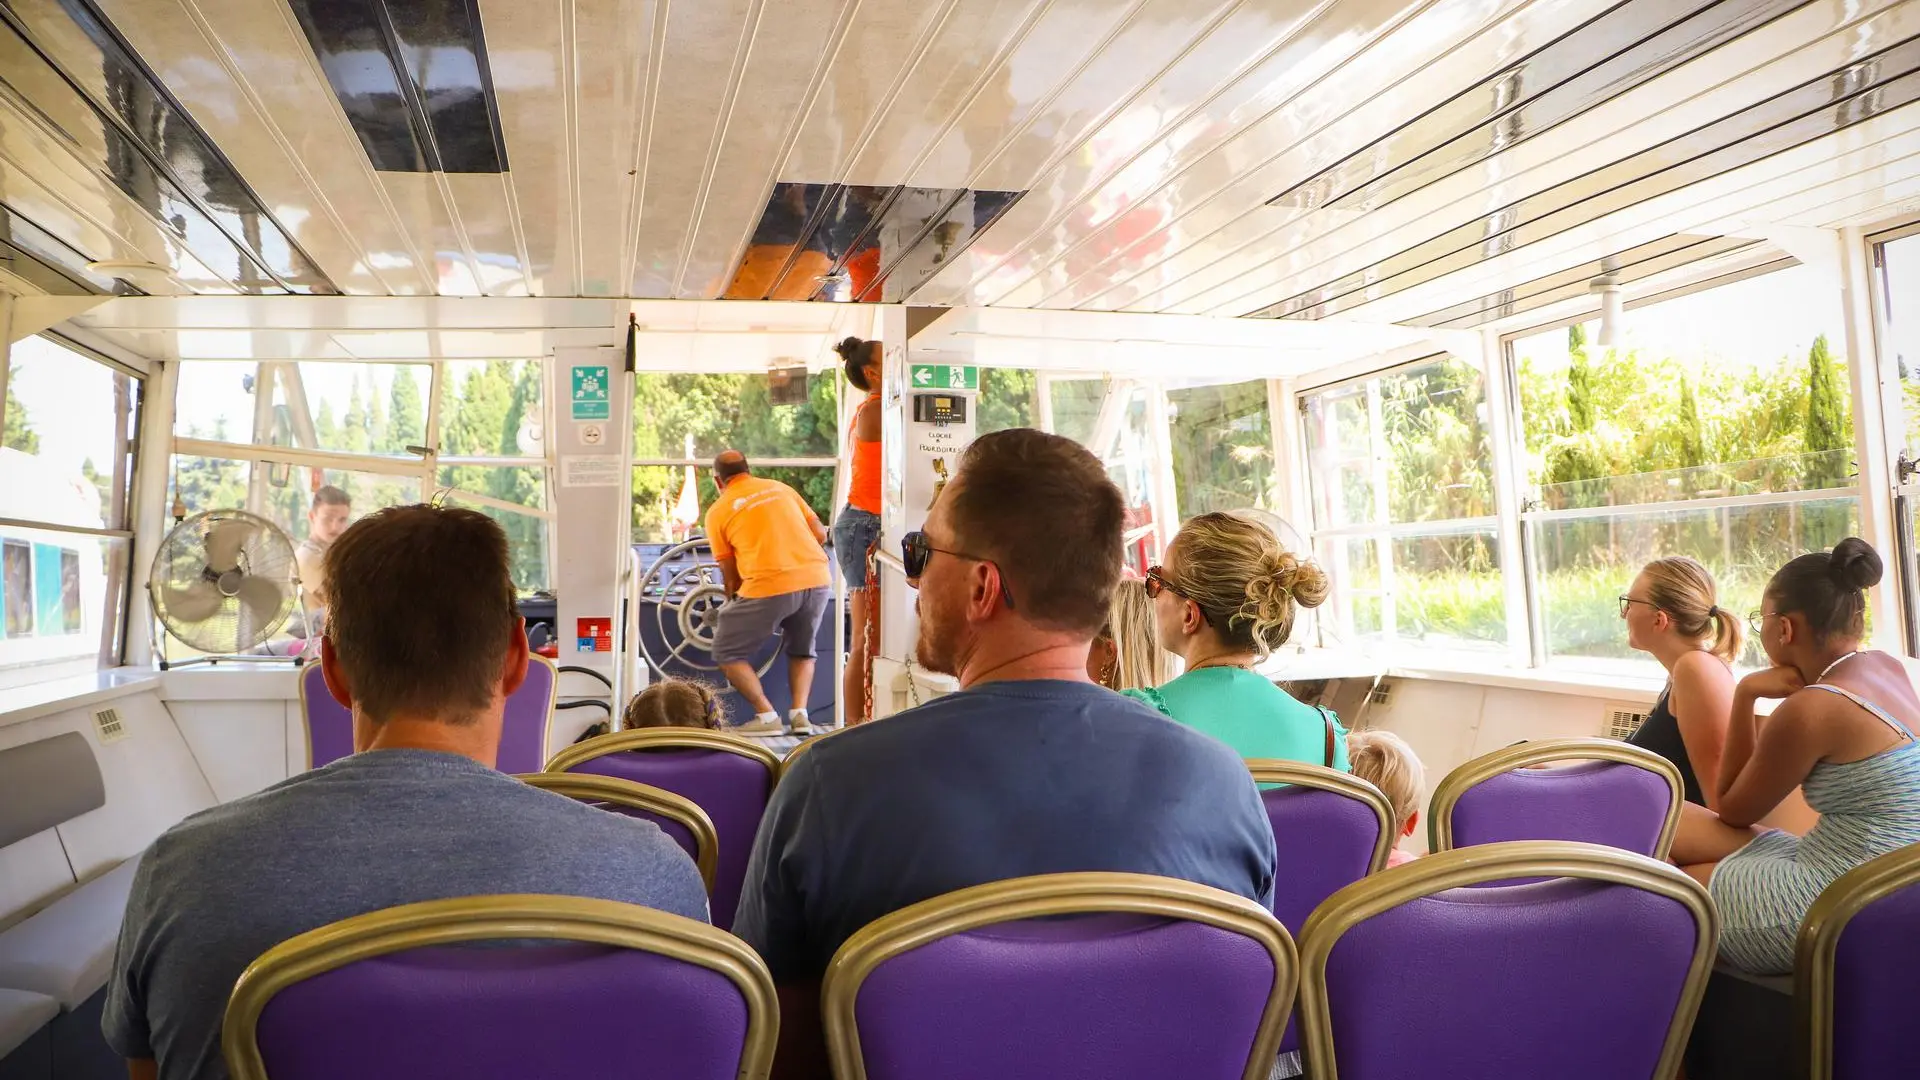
(746, 622)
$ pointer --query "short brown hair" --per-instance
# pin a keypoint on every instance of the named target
(421, 606)
(1043, 509)
(328, 495)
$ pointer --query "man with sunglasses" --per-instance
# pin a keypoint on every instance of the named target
(1030, 768)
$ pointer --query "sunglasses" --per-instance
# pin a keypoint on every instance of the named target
(916, 550)
(1157, 583)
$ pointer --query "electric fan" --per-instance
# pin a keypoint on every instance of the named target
(223, 581)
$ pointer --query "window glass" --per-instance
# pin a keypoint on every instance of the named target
(1712, 400)
(63, 596)
(678, 416)
(1900, 324)
(1222, 441)
(1405, 448)
(526, 543)
(1076, 406)
(670, 501)
(279, 491)
(1006, 400)
(375, 409)
(491, 408)
(67, 454)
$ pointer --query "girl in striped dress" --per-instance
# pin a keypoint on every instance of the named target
(1844, 734)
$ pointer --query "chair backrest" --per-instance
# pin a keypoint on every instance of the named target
(1617, 794)
(1330, 829)
(679, 817)
(523, 733)
(1857, 970)
(589, 988)
(730, 777)
(1595, 974)
(329, 724)
(528, 718)
(1153, 978)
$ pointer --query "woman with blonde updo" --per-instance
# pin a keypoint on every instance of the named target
(1225, 599)
(1671, 610)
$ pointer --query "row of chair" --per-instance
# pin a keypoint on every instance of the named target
(1595, 973)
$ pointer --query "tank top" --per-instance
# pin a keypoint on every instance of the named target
(1661, 734)
(863, 491)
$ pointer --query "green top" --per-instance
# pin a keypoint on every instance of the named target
(1248, 712)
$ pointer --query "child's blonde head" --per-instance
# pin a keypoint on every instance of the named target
(1384, 760)
(674, 703)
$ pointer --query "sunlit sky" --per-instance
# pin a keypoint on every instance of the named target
(212, 389)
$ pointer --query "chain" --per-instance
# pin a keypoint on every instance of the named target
(873, 616)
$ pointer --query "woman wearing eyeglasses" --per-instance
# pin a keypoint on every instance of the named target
(1225, 599)
(1671, 611)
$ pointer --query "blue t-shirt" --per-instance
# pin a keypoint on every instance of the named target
(1002, 781)
(369, 831)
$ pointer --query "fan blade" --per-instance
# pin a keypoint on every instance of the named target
(224, 541)
(198, 601)
(260, 598)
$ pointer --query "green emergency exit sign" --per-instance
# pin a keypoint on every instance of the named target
(944, 377)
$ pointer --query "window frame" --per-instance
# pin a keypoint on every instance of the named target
(114, 633)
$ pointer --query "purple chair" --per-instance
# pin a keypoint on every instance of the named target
(1154, 978)
(1330, 829)
(591, 989)
(523, 736)
(729, 776)
(1593, 974)
(1857, 971)
(677, 816)
(1615, 794)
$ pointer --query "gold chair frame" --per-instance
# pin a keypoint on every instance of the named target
(1816, 949)
(663, 738)
(1297, 774)
(546, 726)
(1484, 863)
(1447, 794)
(1038, 897)
(682, 811)
(493, 918)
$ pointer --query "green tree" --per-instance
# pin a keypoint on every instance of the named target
(19, 433)
(353, 425)
(1828, 430)
(1006, 399)
(325, 428)
(406, 417)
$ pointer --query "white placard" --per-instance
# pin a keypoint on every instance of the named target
(589, 470)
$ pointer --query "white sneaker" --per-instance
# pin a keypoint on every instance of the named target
(797, 721)
(767, 723)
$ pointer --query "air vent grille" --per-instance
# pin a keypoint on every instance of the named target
(1380, 693)
(1624, 720)
(108, 726)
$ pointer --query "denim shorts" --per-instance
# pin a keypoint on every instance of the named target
(854, 531)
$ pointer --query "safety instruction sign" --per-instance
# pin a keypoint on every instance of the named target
(594, 635)
(944, 377)
(591, 385)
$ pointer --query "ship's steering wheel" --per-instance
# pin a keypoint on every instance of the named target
(685, 588)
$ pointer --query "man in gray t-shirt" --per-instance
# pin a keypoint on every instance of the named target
(418, 814)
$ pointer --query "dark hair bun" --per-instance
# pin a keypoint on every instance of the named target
(1854, 564)
(851, 349)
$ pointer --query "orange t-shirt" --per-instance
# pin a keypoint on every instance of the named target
(768, 530)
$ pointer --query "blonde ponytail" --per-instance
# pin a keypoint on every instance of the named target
(1684, 589)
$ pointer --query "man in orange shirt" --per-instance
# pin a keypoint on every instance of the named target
(767, 541)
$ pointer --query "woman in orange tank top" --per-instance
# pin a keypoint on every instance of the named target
(857, 528)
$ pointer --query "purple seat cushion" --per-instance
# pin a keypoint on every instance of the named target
(1876, 980)
(1101, 997)
(1325, 842)
(1570, 979)
(508, 1012)
(732, 789)
(1595, 802)
(329, 726)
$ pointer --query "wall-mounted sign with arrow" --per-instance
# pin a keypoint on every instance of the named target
(944, 377)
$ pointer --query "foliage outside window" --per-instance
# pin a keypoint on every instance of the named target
(681, 421)
(1007, 399)
(1222, 442)
(1400, 472)
(66, 464)
(1722, 431)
